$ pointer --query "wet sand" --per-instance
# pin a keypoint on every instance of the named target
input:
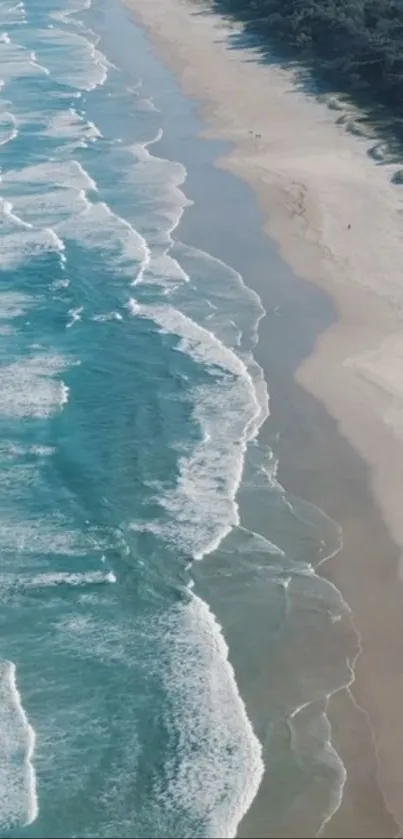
(306, 170)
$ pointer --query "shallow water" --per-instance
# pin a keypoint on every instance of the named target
(129, 417)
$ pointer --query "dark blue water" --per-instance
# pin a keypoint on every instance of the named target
(129, 400)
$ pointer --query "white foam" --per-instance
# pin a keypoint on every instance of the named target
(64, 394)
(17, 248)
(13, 304)
(195, 340)
(8, 127)
(47, 536)
(33, 59)
(71, 58)
(98, 227)
(236, 310)
(37, 450)
(146, 104)
(68, 174)
(21, 242)
(40, 212)
(10, 216)
(211, 778)
(18, 799)
(17, 62)
(162, 269)
(161, 179)
(51, 208)
(12, 14)
(107, 317)
(63, 283)
(29, 388)
(150, 170)
(60, 578)
(75, 316)
(202, 509)
(72, 127)
(217, 767)
(68, 15)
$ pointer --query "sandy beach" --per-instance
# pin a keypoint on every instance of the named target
(336, 216)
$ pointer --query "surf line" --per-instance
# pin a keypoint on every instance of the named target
(26, 809)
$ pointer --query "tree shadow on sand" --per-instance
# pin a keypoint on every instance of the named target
(362, 114)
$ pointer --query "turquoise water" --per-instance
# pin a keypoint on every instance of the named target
(130, 399)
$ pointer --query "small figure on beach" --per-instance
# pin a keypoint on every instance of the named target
(349, 227)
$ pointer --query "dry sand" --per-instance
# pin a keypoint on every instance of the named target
(313, 179)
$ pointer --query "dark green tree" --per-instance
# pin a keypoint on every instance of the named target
(355, 44)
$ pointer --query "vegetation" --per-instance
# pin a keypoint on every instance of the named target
(355, 45)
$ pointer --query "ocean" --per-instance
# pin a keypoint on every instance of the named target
(141, 516)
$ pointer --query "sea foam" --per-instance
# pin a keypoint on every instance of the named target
(202, 509)
(16, 61)
(220, 763)
(60, 578)
(30, 388)
(71, 58)
(73, 129)
(11, 13)
(18, 799)
(98, 227)
(8, 127)
(21, 242)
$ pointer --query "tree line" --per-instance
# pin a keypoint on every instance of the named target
(356, 44)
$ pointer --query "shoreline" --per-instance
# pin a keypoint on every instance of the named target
(345, 373)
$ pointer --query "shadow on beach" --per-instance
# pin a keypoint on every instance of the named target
(360, 113)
